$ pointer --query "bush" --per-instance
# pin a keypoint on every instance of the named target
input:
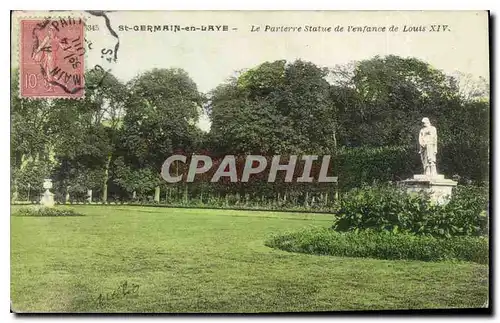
(45, 211)
(468, 210)
(388, 208)
(382, 245)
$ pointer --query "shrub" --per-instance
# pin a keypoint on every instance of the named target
(382, 245)
(468, 210)
(45, 211)
(388, 208)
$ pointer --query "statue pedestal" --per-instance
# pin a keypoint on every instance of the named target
(47, 199)
(439, 188)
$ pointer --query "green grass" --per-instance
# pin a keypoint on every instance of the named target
(193, 260)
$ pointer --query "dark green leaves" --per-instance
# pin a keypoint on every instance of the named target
(388, 208)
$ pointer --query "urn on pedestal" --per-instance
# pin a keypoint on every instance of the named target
(47, 199)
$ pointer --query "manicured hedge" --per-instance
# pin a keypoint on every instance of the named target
(44, 211)
(382, 245)
(366, 165)
(358, 166)
(354, 167)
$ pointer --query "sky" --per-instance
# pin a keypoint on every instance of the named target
(212, 57)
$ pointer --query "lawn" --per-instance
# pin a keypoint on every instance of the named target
(195, 260)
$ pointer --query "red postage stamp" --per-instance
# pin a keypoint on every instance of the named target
(52, 58)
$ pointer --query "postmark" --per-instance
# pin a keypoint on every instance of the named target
(52, 57)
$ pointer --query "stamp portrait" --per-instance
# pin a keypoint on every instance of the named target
(51, 58)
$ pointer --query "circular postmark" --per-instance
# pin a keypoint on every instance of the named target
(103, 42)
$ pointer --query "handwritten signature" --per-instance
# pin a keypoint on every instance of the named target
(121, 291)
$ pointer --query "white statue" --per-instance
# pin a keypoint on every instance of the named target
(427, 140)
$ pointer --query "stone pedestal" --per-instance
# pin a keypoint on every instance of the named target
(47, 199)
(89, 196)
(439, 188)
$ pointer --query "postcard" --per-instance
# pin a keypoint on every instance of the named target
(249, 161)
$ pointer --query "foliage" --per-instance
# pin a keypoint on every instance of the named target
(382, 100)
(468, 211)
(86, 134)
(29, 126)
(141, 180)
(365, 114)
(366, 165)
(45, 211)
(358, 166)
(466, 151)
(388, 208)
(29, 178)
(383, 245)
(161, 112)
(276, 107)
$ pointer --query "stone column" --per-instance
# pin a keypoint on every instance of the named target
(157, 194)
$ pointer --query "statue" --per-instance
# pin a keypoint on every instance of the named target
(427, 140)
(436, 185)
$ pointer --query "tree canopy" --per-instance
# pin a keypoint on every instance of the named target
(115, 140)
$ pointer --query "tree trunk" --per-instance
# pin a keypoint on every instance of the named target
(15, 194)
(21, 160)
(157, 194)
(335, 140)
(67, 197)
(185, 193)
(105, 180)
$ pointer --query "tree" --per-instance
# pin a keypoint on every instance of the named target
(86, 133)
(381, 102)
(161, 114)
(386, 97)
(274, 108)
(30, 143)
(471, 88)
